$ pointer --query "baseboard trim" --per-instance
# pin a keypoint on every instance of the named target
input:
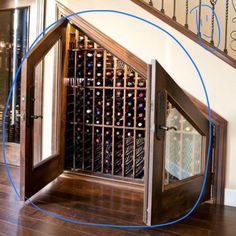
(230, 197)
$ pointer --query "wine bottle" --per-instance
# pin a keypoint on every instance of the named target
(97, 120)
(119, 93)
(99, 74)
(80, 66)
(141, 83)
(108, 121)
(118, 134)
(89, 111)
(108, 103)
(90, 45)
(99, 83)
(119, 114)
(120, 74)
(89, 82)
(141, 105)
(108, 113)
(109, 73)
(119, 103)
(99, 103)
(130, 94)
(119, 82)
(80, 56)
(130, 83)
(99, 65)
(129, 114)
(131, 74)
(129, 123)
(99, 55)
(90, 74)
(80, 74)
(141, 94)
(90, 55)
(140, 124)
(109, 64)
(141, 115)
(98, 93)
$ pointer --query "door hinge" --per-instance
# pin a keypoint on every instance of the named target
(213, 143)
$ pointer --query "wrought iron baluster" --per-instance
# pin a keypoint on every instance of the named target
(162, 6)
(226, 25)
(213, 4)
(199, 18)
(186, 15)
(233, 32)
(174, 9)
(151, 3)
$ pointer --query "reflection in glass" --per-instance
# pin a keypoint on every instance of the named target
(13, 43)
(46, 106)
(183, 148)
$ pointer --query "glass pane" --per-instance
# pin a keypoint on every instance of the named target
(45, 107)
(183, 148)
(13, 43)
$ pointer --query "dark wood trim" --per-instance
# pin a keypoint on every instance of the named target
(219, 154)
(226, 58)
(104, 180)
(105, 41)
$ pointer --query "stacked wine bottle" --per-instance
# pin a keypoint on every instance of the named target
(106, 103)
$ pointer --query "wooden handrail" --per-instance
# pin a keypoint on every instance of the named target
(184, 30)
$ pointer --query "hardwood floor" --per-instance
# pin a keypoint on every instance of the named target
(93, 202)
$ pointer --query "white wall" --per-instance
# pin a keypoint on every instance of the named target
(147, 42)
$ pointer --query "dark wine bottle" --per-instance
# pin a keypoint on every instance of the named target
(141, 115)
(108, 121)
(109, 73)
(119, 82)
(99, 74)
(141, 105)
(130, 94)
(99, 55)
(80, 55)
(119, 93)
(90, 44)
(141, 83)
(90, 55)
(141, 94)
(130, 83)
(140, 124)
(120, 74)
(89, 111)
(98, 93)
(99, 83)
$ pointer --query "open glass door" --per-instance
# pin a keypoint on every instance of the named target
(177, 151)
(41, 88)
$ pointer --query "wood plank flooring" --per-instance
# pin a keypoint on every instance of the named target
(93, 202)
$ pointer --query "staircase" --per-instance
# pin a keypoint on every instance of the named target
(211, 23)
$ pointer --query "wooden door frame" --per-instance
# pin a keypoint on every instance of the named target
(50, 168)
(219, 154)
(220, 124)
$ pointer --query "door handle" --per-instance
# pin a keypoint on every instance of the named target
(160, 122)
(166, 128)
(35, 117)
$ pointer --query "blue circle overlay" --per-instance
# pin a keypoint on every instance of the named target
(212, 33)
(97, 224)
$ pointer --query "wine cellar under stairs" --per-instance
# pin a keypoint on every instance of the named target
(106, 112)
